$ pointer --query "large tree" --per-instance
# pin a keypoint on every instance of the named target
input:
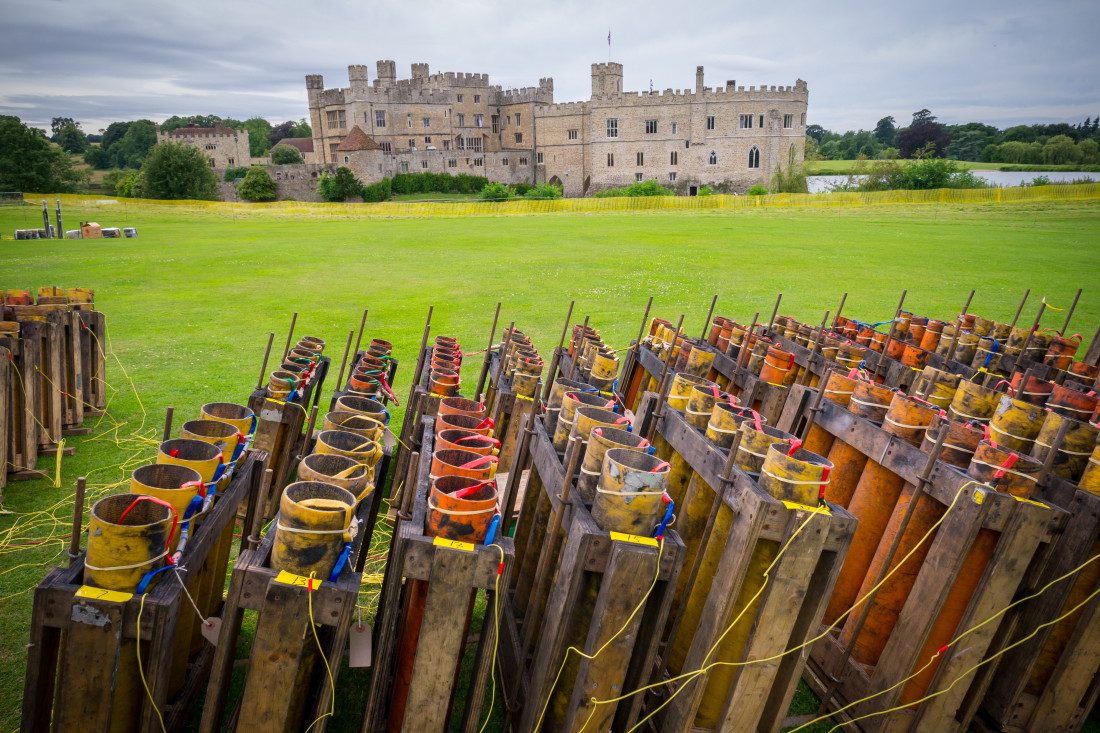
(57, 123)
(132, 149)
(914, 138)
(29, 163)
(258, 131)
(885, 131)
(922, 117)
(175, 171)
(71, 139)
(285, 155)
(257, 185)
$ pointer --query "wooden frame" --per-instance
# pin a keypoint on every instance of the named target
(93, 360)
(276, 687)
(791, 605)
(539, 632)
(453, 574)
(1025, 528)
(73, 655)
(72, 382)
(6, 415)
(22, 432)
(344, 389)
(508, 410)
(44, 399)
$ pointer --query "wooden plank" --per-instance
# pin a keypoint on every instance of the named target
(483, 665)
(217, 689)
(6, 416)
(94, 637)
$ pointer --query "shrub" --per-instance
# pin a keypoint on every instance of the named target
(520, 189)
(647, 188)
(756, 190)
(285, 155)
(232, 174)
(704, 190)
(257, 185)
(542, 191)
(376, 192)
(338, 187)
(495, 192)
(792, 180)
(175, 171)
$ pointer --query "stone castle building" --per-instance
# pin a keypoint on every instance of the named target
(223, 146)
(730, 136)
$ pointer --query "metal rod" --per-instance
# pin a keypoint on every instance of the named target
(552, 375)
(742, 355)
(895, 543)
(706, 324)
(310, 424)
(168, 423)
(577, 349)
(519, 461)
(60, 229)
(1048, 461)
(1019, 310)
(488, 354)
(632, 353)
(418, 373)
(1030, 333)
(958, 327)
(650, 423)
(267, 355)
(890, 337)
(816, 349)
(840, 308)
(78, 520)
(46, 218)
(344, 363)
(290, 333)
(1065, 326)
(358, 341)
(258, 516)
(822, 385)
(775, 312)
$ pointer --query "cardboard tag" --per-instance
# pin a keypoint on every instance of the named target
(292, 579)
(388, 439)
(102, 594)
(211, 629)
(453, 544)
(636, 539)
(359, 645)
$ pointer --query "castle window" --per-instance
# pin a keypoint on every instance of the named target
(673, 128)
(572, 134)
(332, 150)
(211, 162)
(754, 157)
(446, 113)
(404, 167)
(424, 164)
(519, 138)
(508, 120)
(460, 143)
(746, 122)
(610, 160)
(345, 159)
(452, 163)
(478, 162)
(788, 121)
(461, 120)
(386, 148)
(365, 118)
(231, 160)
(538, 158)
(671, 177)
(427, 139)
(495, 119)
(517, 119)
(713, 159)
(460, 99)
(523, 161)
(790, 156)
(473, 144)
(687, 144)
(335, 119)
(612, 127)
(211, 147)
(504, 161)
(446, 144)
(427, 122)
(761, 122)
(640, 158)
(477, 99)
(412, 144)
(410, 120)
(479, 120)
(651, 127)
(638, 177)
(673, 158)
(803, 123)
(380, 118)
(710, 122)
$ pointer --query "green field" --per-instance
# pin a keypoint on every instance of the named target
(844, 167)
(190, 303)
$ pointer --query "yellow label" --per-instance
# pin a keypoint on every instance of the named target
(979, 496)
(102, 594)
(1029, 501)
(292, 579)
(636, 539)
(453, 544)
(795, 506)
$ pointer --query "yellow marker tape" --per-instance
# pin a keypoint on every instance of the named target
(636, 539)
(292, 579)
(1028, 501)
(805, 507)
(102, 594)
(454, 544)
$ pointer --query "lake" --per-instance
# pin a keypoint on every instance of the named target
(1001, 179)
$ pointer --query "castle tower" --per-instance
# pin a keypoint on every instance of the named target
(315, 84)
(419, 71)
(387, 73)
(698, 79)
(607, 79)
(357, 78)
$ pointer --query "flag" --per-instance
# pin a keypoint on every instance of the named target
(608, 36)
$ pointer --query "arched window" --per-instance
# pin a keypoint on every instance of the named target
(754, 157)
(713, 159)
(790, 156)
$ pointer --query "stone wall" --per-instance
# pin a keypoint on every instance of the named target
(297, 182)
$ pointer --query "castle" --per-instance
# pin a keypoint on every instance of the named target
(458, 123)
(224, 147)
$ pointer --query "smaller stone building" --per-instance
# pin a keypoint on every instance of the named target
(223, 146)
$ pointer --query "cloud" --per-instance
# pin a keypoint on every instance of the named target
(997, 62)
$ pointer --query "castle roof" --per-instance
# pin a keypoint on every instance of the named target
(304, 144)
(358, 140)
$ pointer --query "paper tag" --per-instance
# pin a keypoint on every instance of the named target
(979, 496)
(292, 579)
(102, 594)
(359, 645)
(211, 629)
(388, 439)
(453, 544)
(636, 539)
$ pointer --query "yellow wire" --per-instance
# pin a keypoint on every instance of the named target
(565, 658)
(324, 658)
(141, 671)
(496, 639)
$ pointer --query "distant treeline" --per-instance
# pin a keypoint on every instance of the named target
(1054, 144)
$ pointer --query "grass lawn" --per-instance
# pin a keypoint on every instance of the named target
(190, 302)
(844, 167)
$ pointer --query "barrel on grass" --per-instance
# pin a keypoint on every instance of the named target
(281, 383)
(239, 416)
(445, 382)
(792, 473)
(1077, 445)
(1036, 348)
(930, 339)
(222, 435)
(1090, 478)
(1016, 423)
(758, 355)
(602, 439)
(300, 355)
(915, 333)
(850, 355)
(454, 439)
(461, 508)
(698, 361)
(680, 390)
(461, 406)
(914, 357)
(1083, 374)
(338, 470)
(354, 422)
(380, 347)
(312, 343)
(630, 492)
(605, 366)
(948, 337)
(973, 402)
(312, 527)
(465, 422)
(839, 390)
(569, 404)
(204, 457)
(870, 401)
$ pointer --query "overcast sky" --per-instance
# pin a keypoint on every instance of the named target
(1004, 62)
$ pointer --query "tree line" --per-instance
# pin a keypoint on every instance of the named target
(1055, 144)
